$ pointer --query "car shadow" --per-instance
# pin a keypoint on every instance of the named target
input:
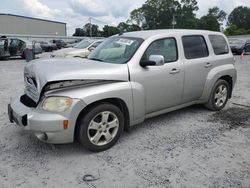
(167, 117)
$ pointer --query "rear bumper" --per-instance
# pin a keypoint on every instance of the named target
(47, 126)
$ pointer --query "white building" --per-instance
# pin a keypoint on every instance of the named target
(22, 25)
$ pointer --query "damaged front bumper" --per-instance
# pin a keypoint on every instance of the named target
(48, 127)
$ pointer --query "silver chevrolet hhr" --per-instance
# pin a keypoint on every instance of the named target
(125, 80)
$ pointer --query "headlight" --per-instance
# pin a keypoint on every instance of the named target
(57, 104)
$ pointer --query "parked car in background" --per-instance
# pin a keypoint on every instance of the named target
(238, 46)
(59, 43)
(125, 80)
(82, 49)
(70, 45)
(47, 46)
(73, 43)
(10, 47)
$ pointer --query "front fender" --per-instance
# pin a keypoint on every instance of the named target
(214, 75)
(130, 93)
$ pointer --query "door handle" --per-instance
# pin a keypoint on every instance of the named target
(208, 65)
(174, 71)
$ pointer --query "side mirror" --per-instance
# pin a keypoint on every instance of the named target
(154, 60)
(158, 59)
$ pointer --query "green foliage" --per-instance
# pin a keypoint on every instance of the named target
(159, 14)
(240, 17)
(124, 27)
(79, 32)
(213, 20)
(95, 30)
(234, 30)
(220, 15)
(137, 16)
(209, 23)
(110, 30)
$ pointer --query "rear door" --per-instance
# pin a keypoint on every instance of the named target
(197, 65)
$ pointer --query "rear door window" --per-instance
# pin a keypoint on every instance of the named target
(195, 47)
(219, 44)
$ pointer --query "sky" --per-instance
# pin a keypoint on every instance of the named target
(76, 13)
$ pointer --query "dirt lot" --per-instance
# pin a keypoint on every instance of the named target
(192, 147)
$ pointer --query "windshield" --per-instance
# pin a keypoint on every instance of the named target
(117, 50)
(83, 44)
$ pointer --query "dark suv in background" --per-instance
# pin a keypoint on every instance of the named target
(238, 46)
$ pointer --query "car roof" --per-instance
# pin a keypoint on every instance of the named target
(149, 33)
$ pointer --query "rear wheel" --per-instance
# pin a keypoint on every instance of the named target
(100, 128)
(219, 96)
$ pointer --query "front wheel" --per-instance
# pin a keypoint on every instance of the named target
(219, 96)
(100, 128)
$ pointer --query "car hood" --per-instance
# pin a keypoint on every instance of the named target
(77, 51)
(70, 69)
(63, 52)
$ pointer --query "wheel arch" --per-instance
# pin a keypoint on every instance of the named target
(229, 80)
(226, 72)
(115, 101)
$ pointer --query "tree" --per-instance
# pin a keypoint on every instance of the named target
(137, 16)
(158, 14)
(209, 22)
(185, 17)
(234, 30)
(220, 15)
(240, 17)
(95, 30)
(124, 27)
(79, 32)
(110, 30)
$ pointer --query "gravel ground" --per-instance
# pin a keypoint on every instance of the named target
(192, 147)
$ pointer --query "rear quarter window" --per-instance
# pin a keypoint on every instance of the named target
(219, 44)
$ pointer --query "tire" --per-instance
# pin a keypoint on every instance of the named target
(100, 127)
(219, 96)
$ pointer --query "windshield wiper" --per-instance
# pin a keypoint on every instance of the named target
(96, 59)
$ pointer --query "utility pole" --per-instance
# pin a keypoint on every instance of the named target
(173, 22)
(173, 7)
(90, 27)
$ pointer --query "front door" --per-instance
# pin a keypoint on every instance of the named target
(163, 85)
(13, 47)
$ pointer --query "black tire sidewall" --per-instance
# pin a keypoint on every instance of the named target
(217, 84)
(83, 123)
